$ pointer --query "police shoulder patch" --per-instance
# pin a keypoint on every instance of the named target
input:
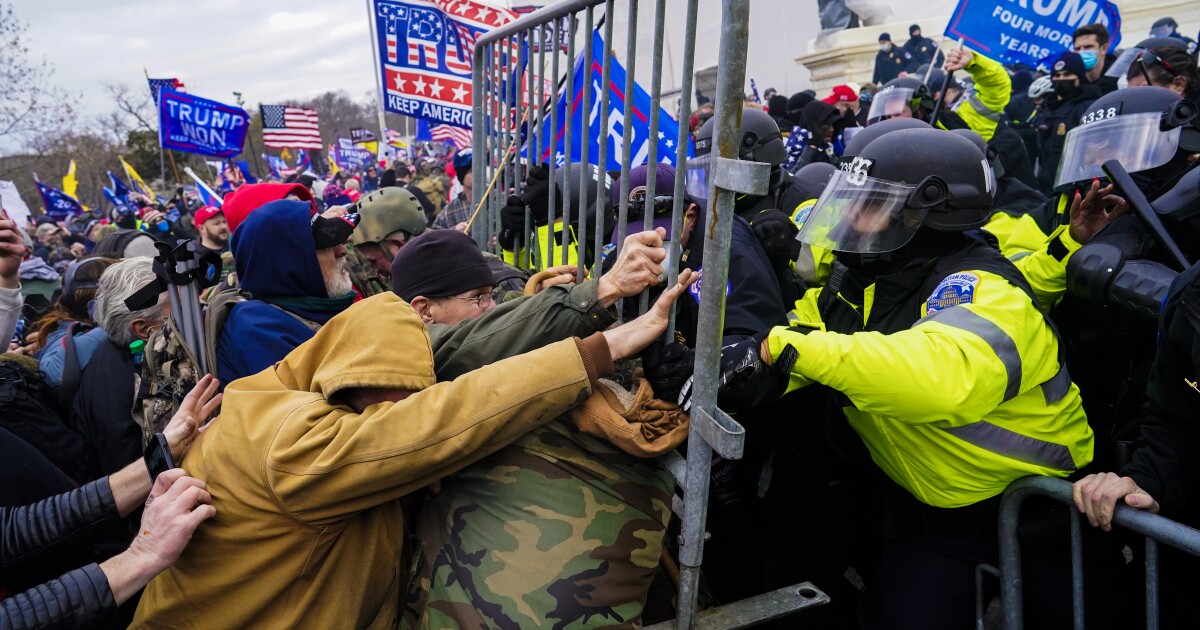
(698, 286)
(955, 290)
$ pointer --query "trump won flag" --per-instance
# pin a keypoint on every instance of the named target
(198, 125)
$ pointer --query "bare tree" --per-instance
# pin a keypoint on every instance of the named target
(31, 105)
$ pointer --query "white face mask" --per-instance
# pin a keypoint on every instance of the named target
(885, 47)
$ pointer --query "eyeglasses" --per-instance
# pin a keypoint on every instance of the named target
(481, 301)
(1149, 58)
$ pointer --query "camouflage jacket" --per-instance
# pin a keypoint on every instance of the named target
(366, 280)
(558, 530)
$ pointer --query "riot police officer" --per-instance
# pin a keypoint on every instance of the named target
(553, 240)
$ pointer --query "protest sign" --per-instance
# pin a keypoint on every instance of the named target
(10, 200)
(1029, 31)
(198, 125)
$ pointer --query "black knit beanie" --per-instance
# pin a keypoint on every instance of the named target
(439, 263)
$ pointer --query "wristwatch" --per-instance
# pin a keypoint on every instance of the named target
(158, 456)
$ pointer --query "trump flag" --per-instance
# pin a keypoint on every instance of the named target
(198, 125)
(425, 50)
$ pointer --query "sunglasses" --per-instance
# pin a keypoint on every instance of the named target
(662, 204)
(1149, 58)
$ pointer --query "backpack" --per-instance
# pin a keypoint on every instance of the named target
(31, 410)
(218, 311)
(169, 371)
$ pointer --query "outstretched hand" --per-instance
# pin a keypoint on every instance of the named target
(629, 339)
(1090, 213)
(639, 266)
(191, 420)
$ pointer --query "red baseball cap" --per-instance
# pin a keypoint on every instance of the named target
(204, 214)
(841, 94)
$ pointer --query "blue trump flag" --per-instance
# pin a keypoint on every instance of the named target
(198, 125)
(119, 192)
(59, 205)
(608, 124)
(1029, 32)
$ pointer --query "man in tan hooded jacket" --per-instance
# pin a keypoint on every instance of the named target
(308, 460)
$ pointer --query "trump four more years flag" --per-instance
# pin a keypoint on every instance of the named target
(198, 125)
(425, 50)
(1032, 32)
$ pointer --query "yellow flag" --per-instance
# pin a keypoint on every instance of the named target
(333, 167)
(372, 146)
(286, 154)
(137, 181)
(70, 184)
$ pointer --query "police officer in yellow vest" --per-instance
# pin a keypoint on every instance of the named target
(555, 244)
(942, 362)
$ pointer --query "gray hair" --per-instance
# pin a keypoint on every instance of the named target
(116, 285)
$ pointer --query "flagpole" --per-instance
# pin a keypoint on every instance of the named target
(253, 148)
(378, 69)
(162, 163)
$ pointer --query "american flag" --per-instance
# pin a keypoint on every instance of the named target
(170, 84)
(457, 136)
(285, 126)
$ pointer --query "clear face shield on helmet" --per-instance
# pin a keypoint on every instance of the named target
(1135, 140)
(698, 174)
(894, 102)
(859, 214)
(1120, 67)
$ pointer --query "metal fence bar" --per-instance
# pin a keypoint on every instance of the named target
(565, 240)
(1156, 529)
(731, 77)
(685, 113)
(540, 141)
(589, 23)
(627, 127)
(660, 9)
(1076, 571)
(553, 160)
(980, 605)
(602, 199)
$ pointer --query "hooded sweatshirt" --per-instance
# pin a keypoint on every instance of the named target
(276, 260)
(309, 530)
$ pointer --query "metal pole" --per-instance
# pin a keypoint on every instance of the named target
(378, 70)
(565, 240)
(681, 144)
(553, 160)
(1076, 570)
(602, 160)
(660, 8)
(1151, 584)
(627, 127)
(731, 77)
(585, 144)
(478, 134)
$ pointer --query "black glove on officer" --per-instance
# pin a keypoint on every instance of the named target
(667, 367)
(777, 233)
(534, 196)
(746, 381)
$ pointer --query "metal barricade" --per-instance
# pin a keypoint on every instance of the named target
(1156, 529)
(510, 115)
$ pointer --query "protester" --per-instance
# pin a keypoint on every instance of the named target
(458, 211)
(175, 505)
(330, 476)
(69, 315)
(131, 302)
(12, 250)
(213, 230)
(388, 219)
(1091, 42)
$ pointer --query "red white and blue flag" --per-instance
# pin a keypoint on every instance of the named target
(157, 85)
(425, 49)
(457, 136)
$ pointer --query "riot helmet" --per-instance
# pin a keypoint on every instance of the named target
(760, 142)
(899, 98)
(1120, 67)
(988, 151)
(1144, 128)
(869, 134)
(812, 179)
(884, 197)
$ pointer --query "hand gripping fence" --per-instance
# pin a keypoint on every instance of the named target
(511, 112)
(1156, 529)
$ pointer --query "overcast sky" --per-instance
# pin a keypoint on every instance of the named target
(269, 51)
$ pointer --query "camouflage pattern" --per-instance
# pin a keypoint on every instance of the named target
(169, 372)
(433, 189)
(558, 530)
(366, 280)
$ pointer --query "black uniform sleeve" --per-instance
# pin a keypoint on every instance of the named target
(71, 601)
(28, 530)
(753, 303)
(1166, 463)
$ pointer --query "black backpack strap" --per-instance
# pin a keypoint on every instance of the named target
(71, 371)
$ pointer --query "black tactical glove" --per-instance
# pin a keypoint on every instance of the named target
(667, 367)
(512, 221)
(777, 233)
(537, 193)
(746, 381)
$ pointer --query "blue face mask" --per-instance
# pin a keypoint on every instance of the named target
(1090, 58)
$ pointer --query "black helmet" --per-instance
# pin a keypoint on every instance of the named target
(867, 135)
(1121, 66)
(1142, 127)
(890, 99)
(989, 151)
(879, 203)
(761, 140)
(812, 179)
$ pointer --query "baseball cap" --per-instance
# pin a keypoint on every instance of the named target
(204, 214)
(841, 94)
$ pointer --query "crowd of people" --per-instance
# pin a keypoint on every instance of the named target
(353, 414)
